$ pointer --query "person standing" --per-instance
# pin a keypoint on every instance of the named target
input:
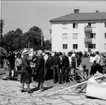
(11, 59)
(48, 65)
(26, 73)
(56, 68)
(87, 64)
(78, 57)
(18, 64)
(39, 70)
(73, 63)
(65, 67)
(97, 57)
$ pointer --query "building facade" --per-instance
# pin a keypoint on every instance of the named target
(79, 32)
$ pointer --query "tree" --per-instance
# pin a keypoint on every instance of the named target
(35, 29)
(18, 31)
(12, 39)
(17, 40)
(32, 38)
(1, 27)
(47, 44)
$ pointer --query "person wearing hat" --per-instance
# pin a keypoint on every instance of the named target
(26, 73)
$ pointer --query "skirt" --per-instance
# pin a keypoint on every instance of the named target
(26, 78)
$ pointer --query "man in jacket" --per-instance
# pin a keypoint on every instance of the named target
(65, 66)
(56, 68)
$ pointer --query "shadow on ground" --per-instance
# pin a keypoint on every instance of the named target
(94, 98)
(44, 89)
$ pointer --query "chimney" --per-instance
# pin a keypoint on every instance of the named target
(76, 10)
(97, 11)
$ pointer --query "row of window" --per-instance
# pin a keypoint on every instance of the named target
(75, 25)
(75, 35)
(65, 26)
(65, 36)
(75, 46)
(65, 46)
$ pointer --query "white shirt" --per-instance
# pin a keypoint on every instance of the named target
(97, 58)
(70, 60)
(73, 55)
(92, 59)
(45, 57)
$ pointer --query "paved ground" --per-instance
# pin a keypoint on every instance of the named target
(10, 95)
(2, 71)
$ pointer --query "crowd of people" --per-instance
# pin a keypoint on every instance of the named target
(51, 65)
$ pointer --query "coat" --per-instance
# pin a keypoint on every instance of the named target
(65, 61)
(96, 67)
(56, 60)
(25, 71)
(39, 70)
(25, 67)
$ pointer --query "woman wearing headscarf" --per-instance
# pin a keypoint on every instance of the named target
(26, 73)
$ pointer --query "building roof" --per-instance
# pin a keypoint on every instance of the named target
(73, 17)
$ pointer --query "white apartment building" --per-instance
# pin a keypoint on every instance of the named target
(79, 32)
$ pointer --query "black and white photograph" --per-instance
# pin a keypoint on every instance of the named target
(52, 52)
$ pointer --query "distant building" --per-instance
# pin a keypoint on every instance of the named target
(79, 32)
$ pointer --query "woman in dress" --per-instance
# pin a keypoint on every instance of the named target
(39, 70)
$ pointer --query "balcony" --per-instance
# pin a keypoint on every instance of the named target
(88, 40)
(88, 29)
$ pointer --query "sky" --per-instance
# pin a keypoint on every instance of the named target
(26, 14)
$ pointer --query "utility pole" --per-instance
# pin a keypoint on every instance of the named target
(41, 39)
(28, 43)
(1, 27)
(1, 31)
(100, 37)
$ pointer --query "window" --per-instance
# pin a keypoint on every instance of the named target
(105, 35)
(75, 46)
(65, 36)
(64, 26)
(105, 45)
(75, 35)
(65, 46)
(105, 24)
(93, 25)
(89, 24)
(92, 46)
(75, 25)
(93, 35)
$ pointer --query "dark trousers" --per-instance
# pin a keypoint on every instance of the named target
(11, 68)
(64, 74)
(56, 74)
(1, 63)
